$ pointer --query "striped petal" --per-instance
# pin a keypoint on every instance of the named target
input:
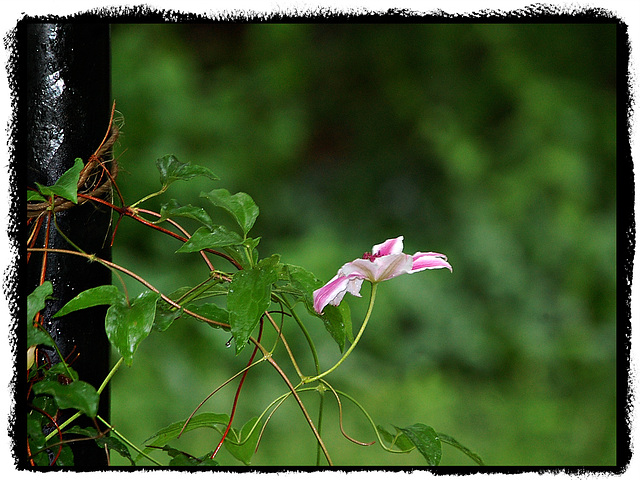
(389, 247)
(429, 260)
(334, 291)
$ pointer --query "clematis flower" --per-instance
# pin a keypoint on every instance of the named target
(385, 261)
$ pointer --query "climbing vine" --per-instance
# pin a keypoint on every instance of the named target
(252, 295)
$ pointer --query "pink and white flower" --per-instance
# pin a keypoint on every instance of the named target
(385, 261)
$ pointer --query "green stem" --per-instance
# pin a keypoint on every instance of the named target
(151, 195)
(111, 265)
(305, 332)
(374, 286)
(67, 422)
(373, 424)
(110, 375)
(320, 415)
(68, 240)
(125, 440)
(300, 404)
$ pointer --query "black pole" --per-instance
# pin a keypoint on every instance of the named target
(68, 106)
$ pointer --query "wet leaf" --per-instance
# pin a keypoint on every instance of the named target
(36, 299)
(206, 237)
(171, 169)
(101, 295)
(240, 205)
(454, 443)
(170, 432)
(426, 441)
(67, 185)
(127, 325)
(242, 445)
(249, 296)
(172, 209)
(78, 394)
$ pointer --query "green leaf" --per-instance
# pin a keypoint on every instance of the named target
(399, 440)
(33, 196)
(35, 303)
(271, 263)
(165, 316)
(210, 311)
(245, 253)
(44, 403)
(170, 432)
(207, 461)
(454, 443)
(303, 282)
(36, 299)
(426, 441)
(183, 459)
(35, 422)
(101, 295)
(243, 445)
(65, 459)
(337, 321)
(127, 325)
(173, 209)
(78, 394)
(61, 369)
(205, 237)
(179, 458)
(67, 184)
(249, 296)
(240, 205)
(171, 169)
(111, 442)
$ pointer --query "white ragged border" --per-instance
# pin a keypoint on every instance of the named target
(12, 11)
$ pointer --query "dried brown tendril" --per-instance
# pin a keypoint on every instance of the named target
(94, 180)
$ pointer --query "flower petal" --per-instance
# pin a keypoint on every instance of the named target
(429, 260)
(389, 247)
(333, 292)
(381, 268)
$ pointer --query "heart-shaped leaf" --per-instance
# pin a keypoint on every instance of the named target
(242, 445)
(173, 209)
(205, 237)
(78, 394)
(171, 169)
(337, 321)
(172, 431)
(249, 296)
(399, 440)
(127, 325)
(67, 185)
(33, 196)
(426, 441)
(36, 299)
(101, 295)
(240, 205)
(246, 253)
(212, 312)
(454, 443)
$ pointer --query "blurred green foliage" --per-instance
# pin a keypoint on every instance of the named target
(492, 143)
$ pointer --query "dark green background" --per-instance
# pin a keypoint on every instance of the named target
(494, 144)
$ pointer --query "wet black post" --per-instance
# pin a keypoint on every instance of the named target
(67, 105)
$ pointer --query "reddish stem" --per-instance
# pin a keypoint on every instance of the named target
(132, 214)
(235, 400)
(179, 227)
(34, 234)
(55, 424)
